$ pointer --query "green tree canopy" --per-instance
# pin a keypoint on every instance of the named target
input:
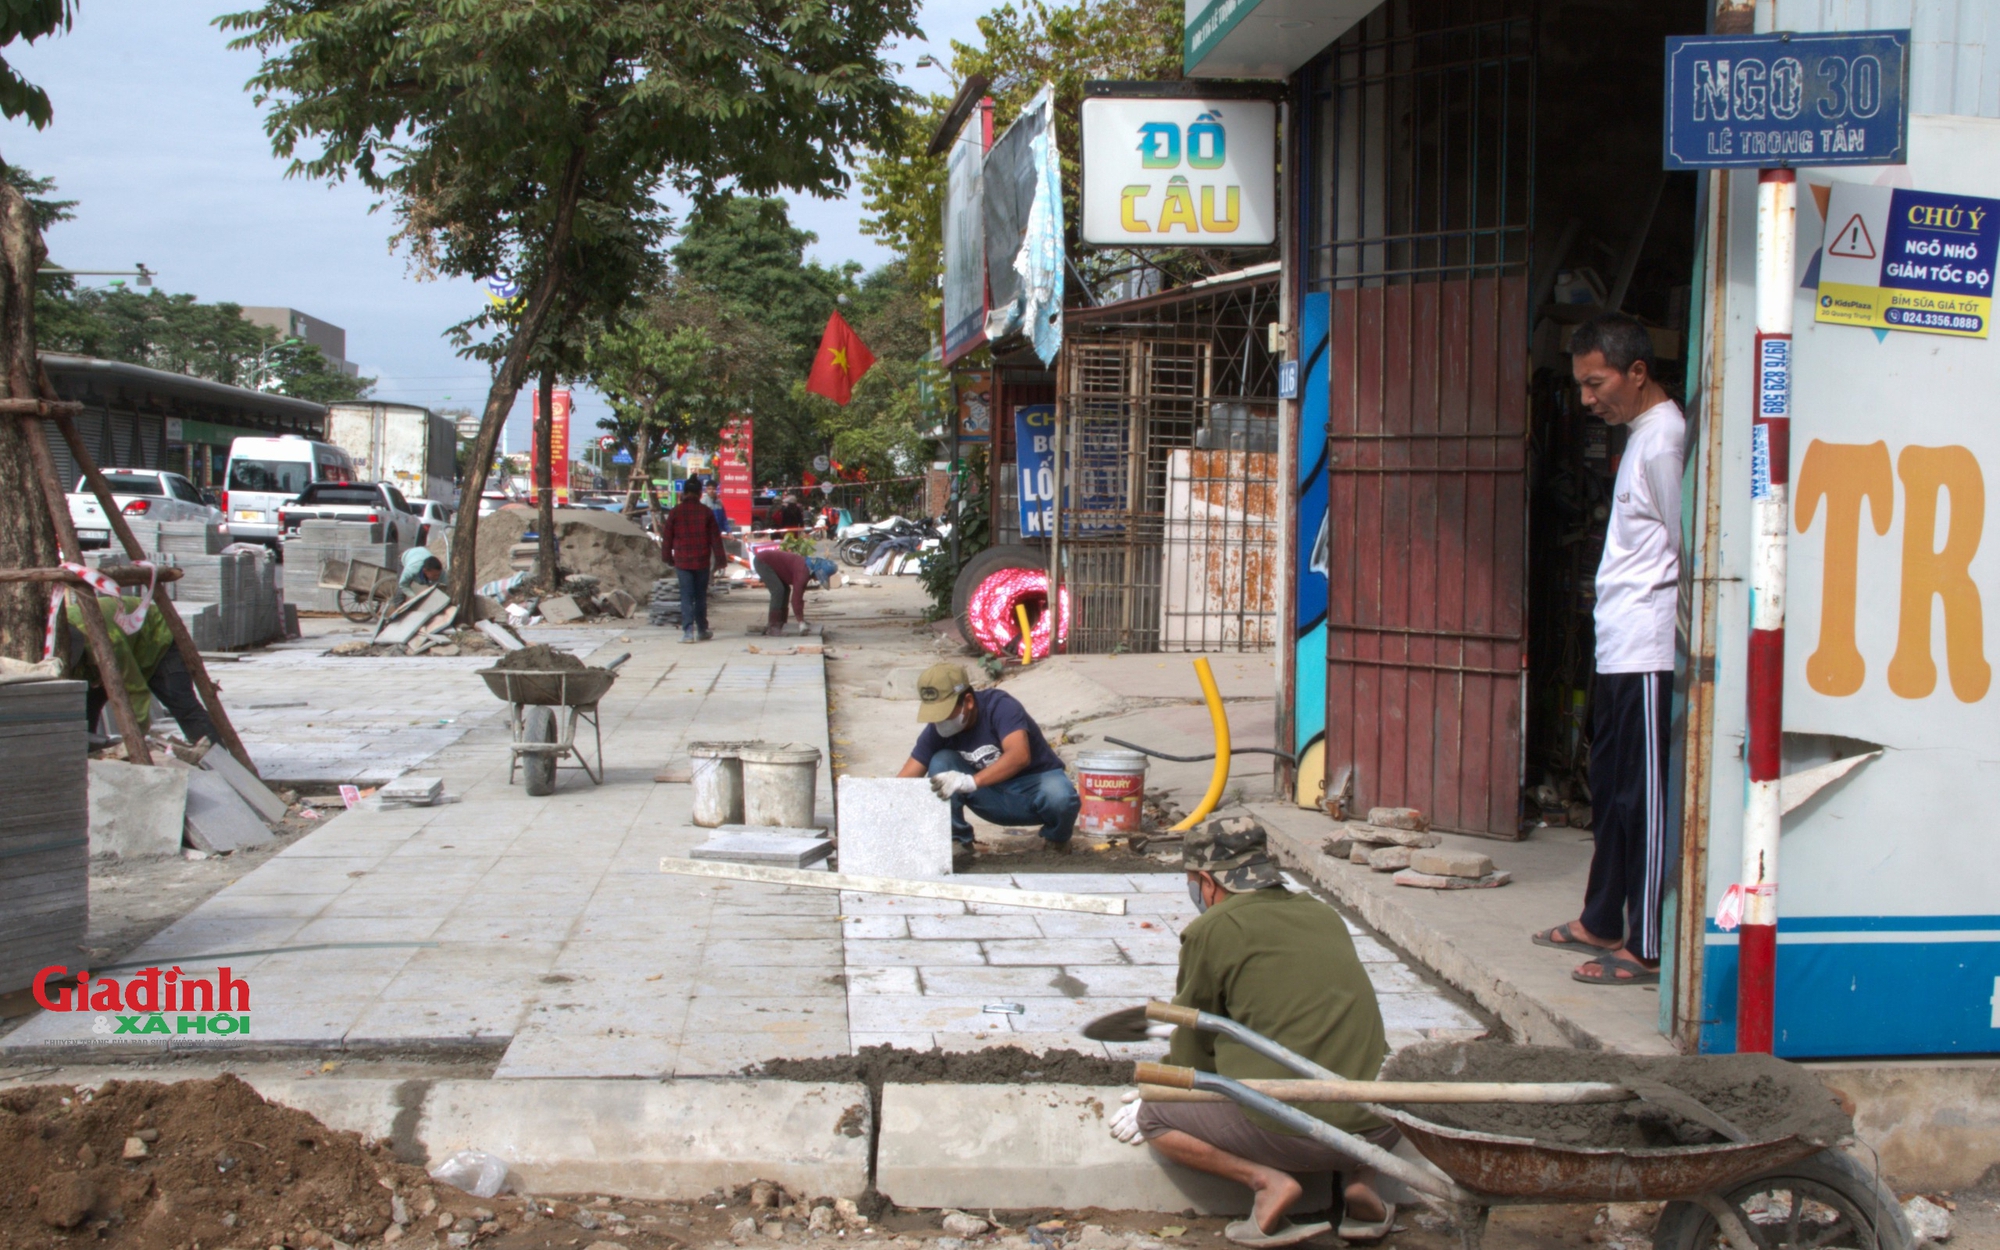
(528, 139)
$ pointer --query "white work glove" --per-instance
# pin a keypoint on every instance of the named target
(1125, 1125)
(950, 785)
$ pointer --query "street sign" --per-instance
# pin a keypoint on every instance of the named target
(1902, 259)
(1785, 100)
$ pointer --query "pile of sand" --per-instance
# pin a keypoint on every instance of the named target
(604, 545)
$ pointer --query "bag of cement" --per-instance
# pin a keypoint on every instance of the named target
(480, 1174)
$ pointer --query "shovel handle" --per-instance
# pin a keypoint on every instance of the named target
(1164, 1074)
(1169, 1013)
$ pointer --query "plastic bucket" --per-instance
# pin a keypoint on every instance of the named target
(1112, 785)
(717, 773)
(778, 784)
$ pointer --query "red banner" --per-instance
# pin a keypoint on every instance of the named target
(732, 470)
(558, 446)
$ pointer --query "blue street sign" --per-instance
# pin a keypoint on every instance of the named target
(621, 456)
(1786, 100)
(1288, 379)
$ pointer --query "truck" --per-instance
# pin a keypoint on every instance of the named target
(372, 502)
(410, 447)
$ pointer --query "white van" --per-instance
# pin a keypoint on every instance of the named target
(265, 473)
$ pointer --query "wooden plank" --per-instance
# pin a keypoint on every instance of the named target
(1040, 900)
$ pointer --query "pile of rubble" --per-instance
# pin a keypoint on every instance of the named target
(603, 545)
(195, 799)
(1399, 840)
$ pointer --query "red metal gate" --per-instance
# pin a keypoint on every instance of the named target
(1422, 142)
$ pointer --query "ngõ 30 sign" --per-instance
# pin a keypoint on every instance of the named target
(1168, 171)
(1784, 100)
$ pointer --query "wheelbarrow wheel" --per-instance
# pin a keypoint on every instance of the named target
(1824, 1202)
(356, 606)
(538, 724)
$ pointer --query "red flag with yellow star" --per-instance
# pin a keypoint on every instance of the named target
(841, 361)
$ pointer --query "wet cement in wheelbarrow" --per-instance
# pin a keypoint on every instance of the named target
(1765, 1097)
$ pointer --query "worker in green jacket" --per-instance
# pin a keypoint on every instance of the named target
(148, 665)
(1283, 965)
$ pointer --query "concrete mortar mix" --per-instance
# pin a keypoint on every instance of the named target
(603, 544)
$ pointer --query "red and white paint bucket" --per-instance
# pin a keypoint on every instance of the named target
(1113, 787)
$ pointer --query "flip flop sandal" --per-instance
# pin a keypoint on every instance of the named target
(1362, 1230)
(1246, 1233)
(1558, 939)
(1613, 962)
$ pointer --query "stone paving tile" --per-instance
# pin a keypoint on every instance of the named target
(1424, 1011)
(1130, 983)
(900, 980)
(1058, 924)
(1052, 951)
(876, 928)
(1146, 948)
(1022, 981)
(433, 1020)
(974, 928)
(864, 953)
(573, 1054)
(903, 1041)
(923, 1013)
(368, 929)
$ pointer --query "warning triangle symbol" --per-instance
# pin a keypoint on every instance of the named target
(1853, 241)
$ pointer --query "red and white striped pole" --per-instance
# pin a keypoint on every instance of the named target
(1770, 474)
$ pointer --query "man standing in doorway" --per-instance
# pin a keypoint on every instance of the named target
(1638, 587)
(693, 545)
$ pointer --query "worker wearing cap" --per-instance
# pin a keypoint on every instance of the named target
(982, 751)
(1283, 965)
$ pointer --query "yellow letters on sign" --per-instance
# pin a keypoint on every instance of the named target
(1846, 475)
(1179, 208)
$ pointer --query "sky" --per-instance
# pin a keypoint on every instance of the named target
(166, 154)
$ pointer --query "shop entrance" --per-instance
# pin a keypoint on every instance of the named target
(1479, 177)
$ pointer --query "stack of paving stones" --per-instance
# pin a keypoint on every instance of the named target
(44, 829)
(319, 541)
(665, 608)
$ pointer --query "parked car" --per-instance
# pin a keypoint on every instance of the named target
(352, 501)
(151, 494)
(492, 501)
(431, 515)
(267, 473)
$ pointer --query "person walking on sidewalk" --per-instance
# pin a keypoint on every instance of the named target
(785, 575)
(983, 751)
(692, 543)
(1638, 587)
(1283, 965)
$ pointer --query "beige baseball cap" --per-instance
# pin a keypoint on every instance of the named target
(940, 688)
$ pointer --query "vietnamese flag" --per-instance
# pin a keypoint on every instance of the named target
(841, 361)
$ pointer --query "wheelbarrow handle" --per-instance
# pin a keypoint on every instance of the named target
(613, 665)
(1178, 1084)
(1189, 1017)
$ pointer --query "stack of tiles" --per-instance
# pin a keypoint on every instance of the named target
(44, 829)
(322, 540)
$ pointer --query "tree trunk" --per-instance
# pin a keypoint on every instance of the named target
(27, 535)
(546, 571)
(507, 387)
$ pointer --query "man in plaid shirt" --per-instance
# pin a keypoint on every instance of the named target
(692, 543)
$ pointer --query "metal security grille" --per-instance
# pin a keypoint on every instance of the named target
(1420, 134)
(1168, 423)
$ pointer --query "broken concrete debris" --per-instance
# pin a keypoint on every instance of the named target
(218, 819)
(561, 610)
(1389, 858)
(1443, 863)
(1438, 881)
(1398, 818)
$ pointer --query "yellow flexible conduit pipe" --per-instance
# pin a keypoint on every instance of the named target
(1219, 779)
(1027, 636)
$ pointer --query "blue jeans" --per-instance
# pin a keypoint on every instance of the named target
(694, 599)
(1047, 798)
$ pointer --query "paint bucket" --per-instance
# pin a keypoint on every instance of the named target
(1113, 788)
(717, 773)
(778, 783)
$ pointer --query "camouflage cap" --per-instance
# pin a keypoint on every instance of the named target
(1233, 851)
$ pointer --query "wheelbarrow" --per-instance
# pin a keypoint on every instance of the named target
(362, 591)
(532, 697)
(1785, 1193)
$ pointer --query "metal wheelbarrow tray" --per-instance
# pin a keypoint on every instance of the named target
(538, 740)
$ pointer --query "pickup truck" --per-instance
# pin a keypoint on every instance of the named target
(141, 494)
(352, 501)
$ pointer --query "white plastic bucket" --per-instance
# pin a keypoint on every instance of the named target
(778, 783)
(1112, 785)
(717, 773)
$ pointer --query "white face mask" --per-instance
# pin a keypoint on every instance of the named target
(1194, 892)
(952, 726)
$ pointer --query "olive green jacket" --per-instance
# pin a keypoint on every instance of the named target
(138, 654)
(1283, 965)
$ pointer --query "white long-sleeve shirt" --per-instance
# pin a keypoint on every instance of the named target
(1638, 578)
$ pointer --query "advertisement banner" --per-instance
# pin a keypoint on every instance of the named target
(975, 406)
(1163, 172)
(558, 444)
(1898, 259)
(733, 468)
(1035, 460)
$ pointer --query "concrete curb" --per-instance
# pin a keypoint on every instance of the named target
(1532, 1020)
(636, 1139)
(1015, 1146)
